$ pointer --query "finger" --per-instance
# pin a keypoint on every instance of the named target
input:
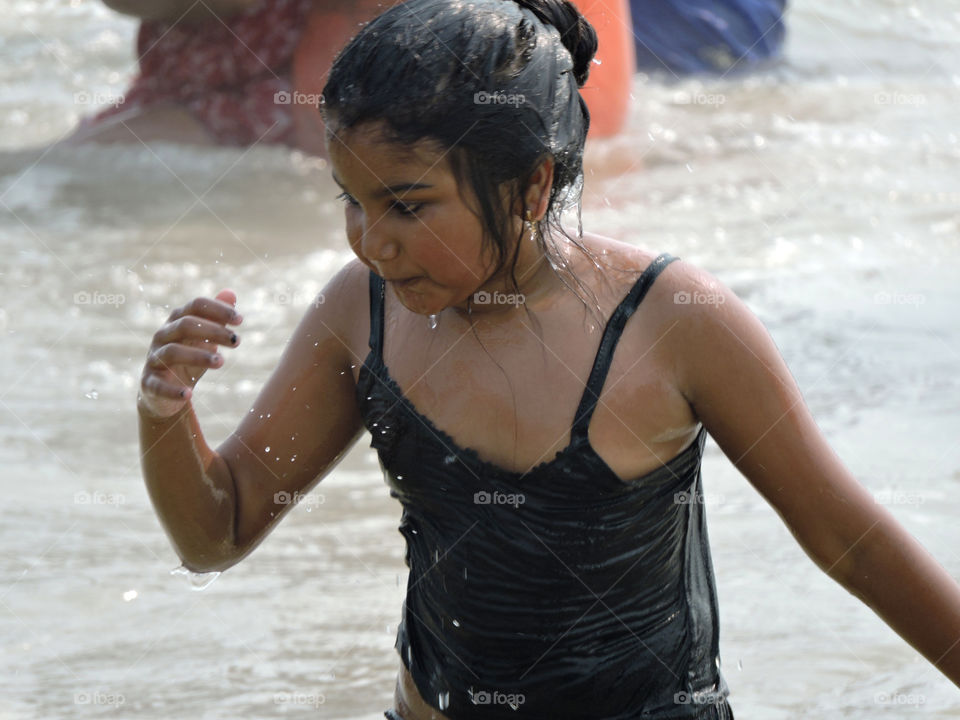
(154, 386)
(192, 329)
(228, 296)
(174, 355)
(213, 309)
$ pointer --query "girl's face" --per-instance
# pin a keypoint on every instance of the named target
(407, 221)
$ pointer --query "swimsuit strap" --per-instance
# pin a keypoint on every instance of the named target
(601, 364)
(377, 288)
(611, 334)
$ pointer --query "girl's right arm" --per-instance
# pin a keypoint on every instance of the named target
(217, 505)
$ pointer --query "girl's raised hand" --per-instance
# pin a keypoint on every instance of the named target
(183, 349)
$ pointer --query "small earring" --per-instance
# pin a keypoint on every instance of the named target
(530, 224)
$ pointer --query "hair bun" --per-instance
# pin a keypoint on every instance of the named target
(577, 34)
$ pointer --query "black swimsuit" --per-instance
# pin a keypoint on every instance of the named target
(562, 592)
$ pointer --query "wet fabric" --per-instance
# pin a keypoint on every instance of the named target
(706, 36)
(563, 592)
(233, 75)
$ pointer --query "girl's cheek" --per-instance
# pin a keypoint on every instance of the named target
(354, 229)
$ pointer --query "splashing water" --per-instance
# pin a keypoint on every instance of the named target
(434, 320)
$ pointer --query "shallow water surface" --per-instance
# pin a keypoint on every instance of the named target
(825, 193)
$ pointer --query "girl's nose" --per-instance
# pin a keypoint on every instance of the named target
(377, 247)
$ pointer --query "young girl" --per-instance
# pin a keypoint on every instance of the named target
(539, 402)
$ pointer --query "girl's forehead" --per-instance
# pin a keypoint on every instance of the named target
(367, 153)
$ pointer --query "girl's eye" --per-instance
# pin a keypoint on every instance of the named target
(407, 210)
(346, 198)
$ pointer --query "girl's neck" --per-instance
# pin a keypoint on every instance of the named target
(536, 284)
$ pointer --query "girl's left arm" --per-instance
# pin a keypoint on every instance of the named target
(740, 388)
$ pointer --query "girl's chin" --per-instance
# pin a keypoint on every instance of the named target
(418, 302)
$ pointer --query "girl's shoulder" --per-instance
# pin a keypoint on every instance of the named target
(342, 308)
(622, 263)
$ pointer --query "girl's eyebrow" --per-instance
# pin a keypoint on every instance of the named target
(391, 190)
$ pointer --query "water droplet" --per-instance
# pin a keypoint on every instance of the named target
(433, 319)
(443, 699)
(129, 595)
(267, 449)
(456, 623)
(92, 395)
(198, 581)
(450, 459)
(739, 664)
(464, 573)
(436, 556)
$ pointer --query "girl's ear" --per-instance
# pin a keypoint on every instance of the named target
(537, 195)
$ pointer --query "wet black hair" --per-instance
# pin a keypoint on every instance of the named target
(495, 85)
